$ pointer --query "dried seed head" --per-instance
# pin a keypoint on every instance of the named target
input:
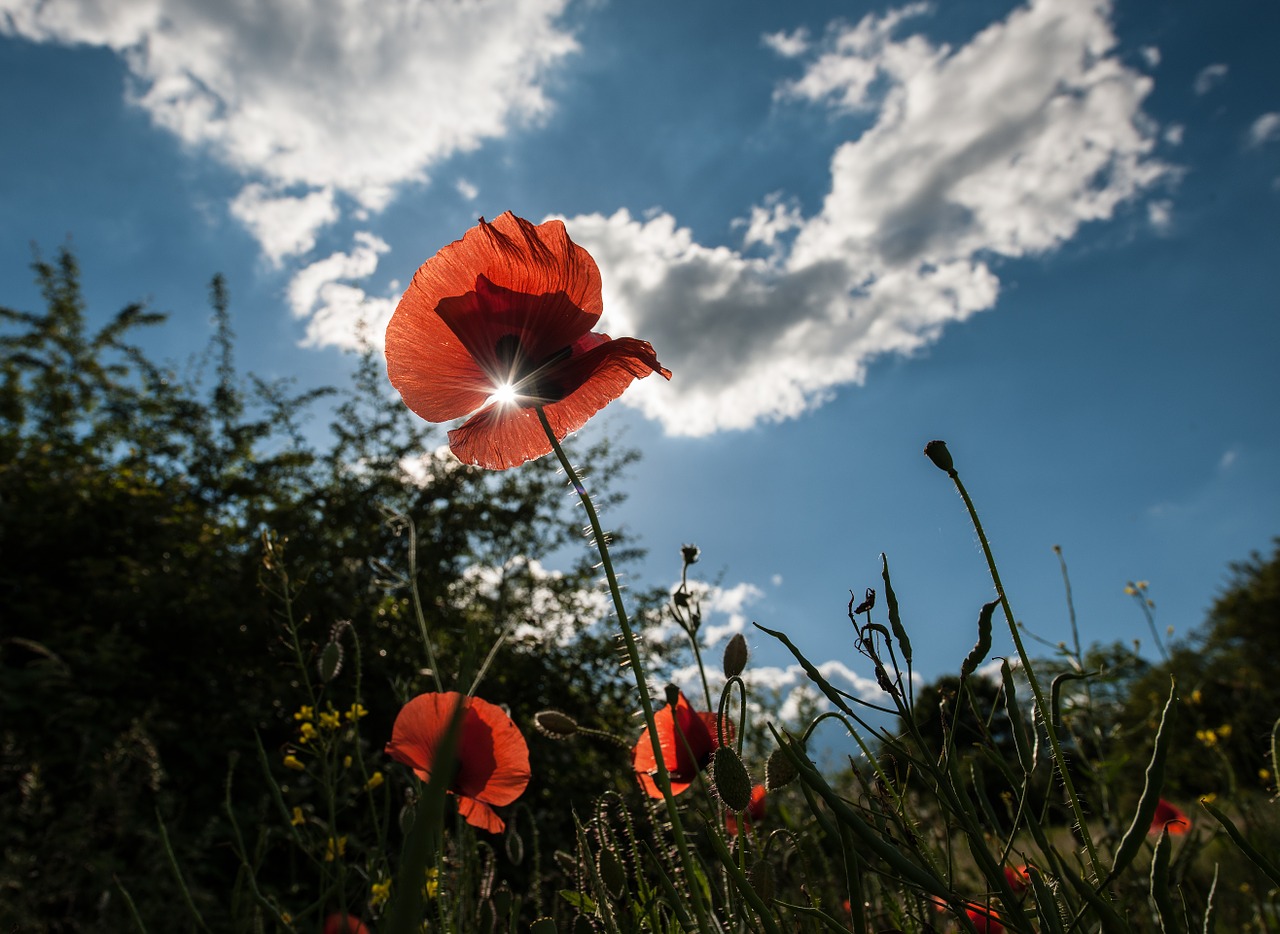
(735, 656)
(733, 784)
(690, 554)
(937, 452)
(554, 724)
(778, 770)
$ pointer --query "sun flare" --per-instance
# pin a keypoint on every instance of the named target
(504, 394)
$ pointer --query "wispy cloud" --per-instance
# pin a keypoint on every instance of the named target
(1002, 147)
(1265, 129)
(1209, 78)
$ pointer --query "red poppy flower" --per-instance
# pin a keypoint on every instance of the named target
(984, 920)
(1018, 878)
(687, 737)
(345, 924)
(500, 322)
(1168, 816)
(493, 758)
(754, 811)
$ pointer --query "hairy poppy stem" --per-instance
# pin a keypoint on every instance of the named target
(633, 656)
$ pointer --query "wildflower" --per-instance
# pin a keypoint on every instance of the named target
(687, 738)
(754, 811)
(984, 920)
(357, 712)
(1208, 737)
(304, 713)
(1168, 817)
(330, 720)
(335, 847)
(431, 888)
(499, 323)
(379, 892)
(375, 780)
(291, 762)
(1196, 696)
(1018, 878)
(346, 762)
(298, 817)
(493, 759)
(344, 924)
(306, 733)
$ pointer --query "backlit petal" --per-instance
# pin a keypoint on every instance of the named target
(478, 814)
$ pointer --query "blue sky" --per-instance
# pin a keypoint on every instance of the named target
(1047, 233)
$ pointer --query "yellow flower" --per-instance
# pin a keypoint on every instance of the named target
(1208, 737)
(432, 886)
(1225, 730)
(374, 781)
(356, 712)
(330, 720)
(291, 762)
(306, 733)
(379, 892)
(298, 818)
(335, 847)
(1143, 585)
(346, 762)
(1196, 696)
(1129, 590)
(304, 713)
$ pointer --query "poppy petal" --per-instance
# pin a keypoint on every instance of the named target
(419, 729)
(478, 814)
(502, 436)
(506, 755)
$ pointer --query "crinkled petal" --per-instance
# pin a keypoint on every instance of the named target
(502, 436)
(478, 814)
(686, 737)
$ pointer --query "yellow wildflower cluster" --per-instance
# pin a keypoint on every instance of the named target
(330, 719)
(1211, 737)
(292, 762)
(357, 712)
(379, 892)
(335, 847)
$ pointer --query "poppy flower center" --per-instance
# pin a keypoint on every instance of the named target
(520, 379)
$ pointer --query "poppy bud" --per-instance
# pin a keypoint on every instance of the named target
(778, 770)
(735, 656)
(330, 661)
(762, 880)
(937, 452)
(554, 724)
(733, 784)
(612, 872)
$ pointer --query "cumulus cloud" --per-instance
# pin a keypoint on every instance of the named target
(1003, 147)
(327, 293)
(787, 44)
(353, 96)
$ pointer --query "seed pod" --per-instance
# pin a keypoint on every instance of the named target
(733, 784)
(762, 880)
(735, 656)
(330, 661)
(613, 873)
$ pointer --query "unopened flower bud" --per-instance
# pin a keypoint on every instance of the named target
(735, 656)
(937, 452)
(330, 661)
(554, 724)
(762, 880)
(733, 784)
(690, 554)
(778, 770)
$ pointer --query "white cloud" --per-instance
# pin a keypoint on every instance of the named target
(1160, 215)
(787, 44)
(1266, 129)
(351, 96)
(1209, 78)
(1150, 55)
(466, 189)
(284, 225)
(338, 310)
(1003, 147)
(1174, 133)
(723, 613)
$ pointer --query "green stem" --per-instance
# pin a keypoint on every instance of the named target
(1058, 756)
(637, 666)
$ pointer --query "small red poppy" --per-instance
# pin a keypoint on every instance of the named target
(345, 924)
(493, 758)
(984, 920)
(687, 737)
(498, 323)
(1168, 816)
(1018, 878)
(754, 811)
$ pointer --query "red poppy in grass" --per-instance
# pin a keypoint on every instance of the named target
(345, 924)
(500, 322)
(687, 737)
(984, 920)
(493, 758)
(1018, 878)
(754, 811)
(1168, 816)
